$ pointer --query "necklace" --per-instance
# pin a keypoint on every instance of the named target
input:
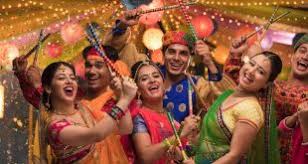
(66, 114)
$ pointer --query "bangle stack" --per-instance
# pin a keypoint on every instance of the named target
(115, 112)
(166, 143)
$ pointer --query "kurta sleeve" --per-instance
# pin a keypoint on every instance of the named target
(283, 126)
(31, 94)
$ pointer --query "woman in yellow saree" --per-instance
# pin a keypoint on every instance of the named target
(236, 128)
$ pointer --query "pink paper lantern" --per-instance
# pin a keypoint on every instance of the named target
(53, 50)
(72, 33)
(203, 25)
(154, 17)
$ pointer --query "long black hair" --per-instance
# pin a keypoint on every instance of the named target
(47, 76)
(266, 101)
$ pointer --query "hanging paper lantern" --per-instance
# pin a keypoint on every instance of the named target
(244, 31)
(153, 38)
(221, 54)
(203, 25)
(80, 68)
(54, 50)
(157, 56)
(154, 17)
(8, 52)
(267, 42)
(72, 33)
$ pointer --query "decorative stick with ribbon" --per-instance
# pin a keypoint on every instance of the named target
(36, 47)
(93, 39)
(187, 19)
(166, 8)
(171, 120)
(163, 8)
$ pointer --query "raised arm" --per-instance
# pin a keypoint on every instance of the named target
(234, 63)
(119, 38)
(202, 49)
(303, 119)
(126, 123)
(29, 80)
(77, 135)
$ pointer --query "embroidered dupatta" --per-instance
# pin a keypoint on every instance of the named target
(158, 127)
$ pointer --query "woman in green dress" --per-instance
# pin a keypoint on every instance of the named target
(237, 128)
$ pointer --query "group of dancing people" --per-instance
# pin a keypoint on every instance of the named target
(248, 116)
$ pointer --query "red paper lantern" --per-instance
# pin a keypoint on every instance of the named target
(80, 68)
(203, 25)
(54, 50)
(72, 33)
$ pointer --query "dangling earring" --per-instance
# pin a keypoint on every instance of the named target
(139, 101)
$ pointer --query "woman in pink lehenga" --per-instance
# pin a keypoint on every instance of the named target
(71, 129)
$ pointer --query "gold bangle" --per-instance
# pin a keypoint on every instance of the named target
(166, 143)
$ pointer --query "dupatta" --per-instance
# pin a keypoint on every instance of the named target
(215, 137)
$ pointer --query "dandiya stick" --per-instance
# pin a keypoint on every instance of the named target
(165, 8)
(35, 47)
(93, 39)
(190, 102)
(171, 120)
(263, 27)
(38, 48)
(198, 95)
(193, 32)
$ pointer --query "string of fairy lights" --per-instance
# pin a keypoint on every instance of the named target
(255, 3)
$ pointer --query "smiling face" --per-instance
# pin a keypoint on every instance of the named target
(97, 74)
(176, 59)
(150, 83)
(63, 86)
(300, 62)
(255, 73)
